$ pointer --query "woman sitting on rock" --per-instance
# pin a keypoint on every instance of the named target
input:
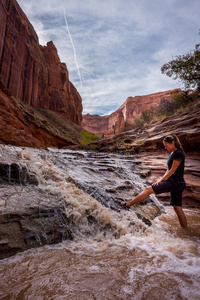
(172, 181)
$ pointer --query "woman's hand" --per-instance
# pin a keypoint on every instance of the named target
(157, 182)
(170, 172)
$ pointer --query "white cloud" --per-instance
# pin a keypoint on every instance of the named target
(120, 45)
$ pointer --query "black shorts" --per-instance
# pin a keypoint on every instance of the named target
(173, 187)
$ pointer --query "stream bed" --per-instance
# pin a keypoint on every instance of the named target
(68, 239)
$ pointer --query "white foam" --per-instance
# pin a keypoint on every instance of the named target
(94, 268)
(149, 257)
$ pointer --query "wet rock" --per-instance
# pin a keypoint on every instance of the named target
(63, 205)
(33, 228)
(145, 173)
(144, 219)
(16, 173)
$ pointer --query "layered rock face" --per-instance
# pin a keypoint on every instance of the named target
(25, 128)
(33, 73)
(185, 124)
(123, 119)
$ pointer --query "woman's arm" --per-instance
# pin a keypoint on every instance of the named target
(170, 172)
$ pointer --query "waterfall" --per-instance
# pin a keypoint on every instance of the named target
(56, 195)
(100, 251)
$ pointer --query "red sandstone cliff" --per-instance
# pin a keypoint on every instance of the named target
(22, 125)
(123, 119)
(32, 73)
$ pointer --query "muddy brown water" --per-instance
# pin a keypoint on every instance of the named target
(157, 262)
(162, 263)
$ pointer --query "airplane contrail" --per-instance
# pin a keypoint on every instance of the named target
(74, 50)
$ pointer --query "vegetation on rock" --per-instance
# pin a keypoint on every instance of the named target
(185, 67)
(87, 137)
(166, 108)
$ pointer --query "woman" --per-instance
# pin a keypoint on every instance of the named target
(172, 181)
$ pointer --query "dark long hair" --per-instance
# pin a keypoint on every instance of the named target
(173, 138)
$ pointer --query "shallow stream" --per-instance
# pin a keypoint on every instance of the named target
(126, 260)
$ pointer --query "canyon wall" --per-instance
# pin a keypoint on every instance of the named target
(34, 73)
(123, 119)
(22, 125)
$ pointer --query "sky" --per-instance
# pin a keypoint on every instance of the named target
(114, 49)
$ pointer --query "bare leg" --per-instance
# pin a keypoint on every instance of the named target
(181, 216)
(141, 197)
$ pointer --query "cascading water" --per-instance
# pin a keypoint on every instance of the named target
(113, 176)
(105, 253)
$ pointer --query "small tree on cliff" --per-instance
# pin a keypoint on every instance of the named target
(185, 67)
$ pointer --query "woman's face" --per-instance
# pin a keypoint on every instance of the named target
(169, 146)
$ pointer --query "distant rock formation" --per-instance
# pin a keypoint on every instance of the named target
(33, 73)
(123, 119)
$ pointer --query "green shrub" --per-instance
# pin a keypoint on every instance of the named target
(87, 137)
(167, 108)
(183, 99)
(147, 116)
(139, 122)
